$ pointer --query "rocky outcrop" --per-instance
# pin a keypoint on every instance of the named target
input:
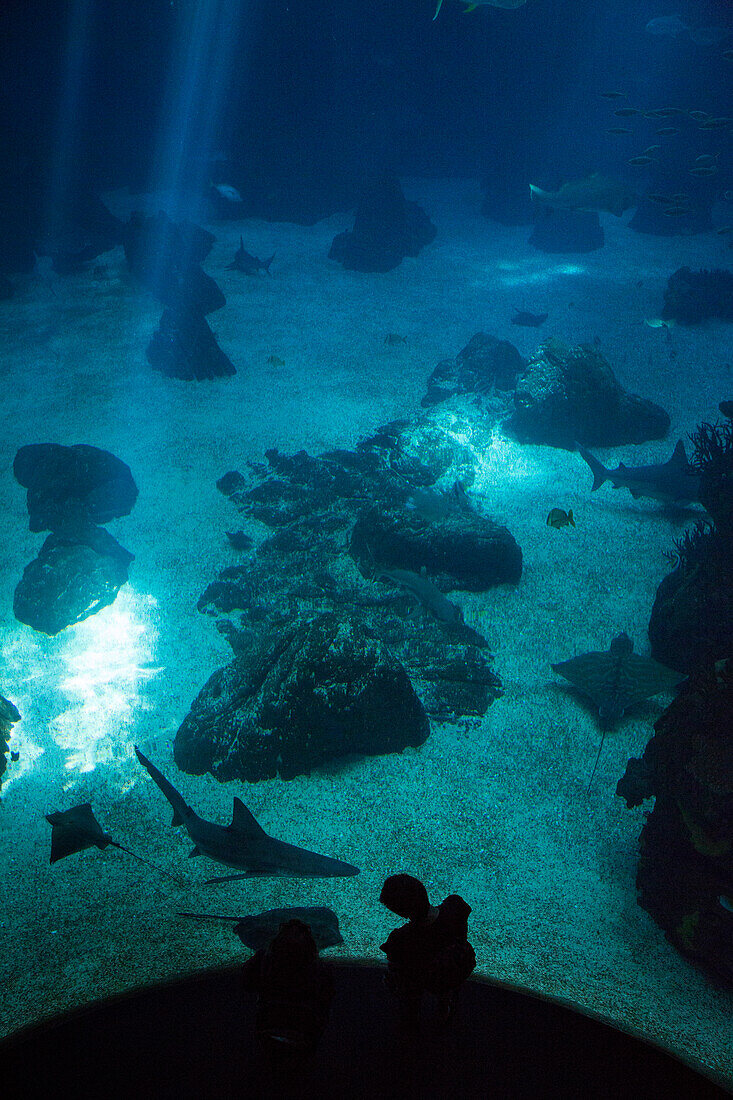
(317, 691)
(695, 296)
(691, 623)
(387, 228)
(460, 549)
(685, 872)
(83, 482)
(483, 364)
(570, 394)
(165, 257)
(9, 715)
(185, 347)
(80, 567)
(347, 531)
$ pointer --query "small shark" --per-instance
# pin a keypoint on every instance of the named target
(244, 844)
(671, 482)
(422, 589)
(592, 193)
(249, 264)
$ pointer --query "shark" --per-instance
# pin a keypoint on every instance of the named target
(673, 482)
(249, 264)
(244, 844)
(473, 4)
(594, 192)
(422, 589)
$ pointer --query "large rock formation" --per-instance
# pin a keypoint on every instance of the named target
(386, 229)
(685, 873)
(80, 568)
(483, 364)
(691, 623)
(568, 395)
(316, 691)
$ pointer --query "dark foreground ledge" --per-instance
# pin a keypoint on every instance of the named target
(193, 1040)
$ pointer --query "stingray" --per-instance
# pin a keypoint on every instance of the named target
(76, 829)
(615, 680)
(257, 930)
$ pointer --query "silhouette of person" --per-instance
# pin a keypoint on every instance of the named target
(429, 954)
(294, 988)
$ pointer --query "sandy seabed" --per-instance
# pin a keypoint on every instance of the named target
(495, 809)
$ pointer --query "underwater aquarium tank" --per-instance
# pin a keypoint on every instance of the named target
(366, 472)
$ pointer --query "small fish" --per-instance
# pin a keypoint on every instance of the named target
(275, 361)
(559, 518)
(650, 150)
(613, 95)
(658, 322)
(708, 171)
(626, 112)
(661, 200)
(664, 131)
(226, 191)
(641, 160)
(724, 230)
(716, 124)
(698, 116)
(527, 319)
(675, 211)
(392, 339)
(249, 264)
(680, 196)
(618, 130)
(707, 159)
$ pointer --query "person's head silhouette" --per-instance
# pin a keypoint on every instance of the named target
(406, 896)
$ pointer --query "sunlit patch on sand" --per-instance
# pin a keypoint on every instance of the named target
(521, 273)
(96, 671)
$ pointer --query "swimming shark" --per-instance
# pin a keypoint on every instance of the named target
(671, 482)
(244, 844)
(595, 192)
(472, 4)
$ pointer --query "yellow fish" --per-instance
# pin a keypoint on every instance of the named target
(473, 4)
(559, 518)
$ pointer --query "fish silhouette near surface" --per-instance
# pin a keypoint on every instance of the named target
(244, 844)
(473, 4)
(527, 319)
(673, 482)
(558, 518)
(249, 264)
(592, 193)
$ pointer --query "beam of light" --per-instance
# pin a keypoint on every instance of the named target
(206, 37)
(81, 693)
(68, 131)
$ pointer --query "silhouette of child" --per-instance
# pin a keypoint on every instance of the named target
(294, 988)
(429, 954)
